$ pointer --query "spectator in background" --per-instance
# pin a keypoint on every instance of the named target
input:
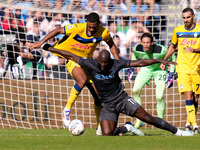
(32, 58)
(112, 28)
(25, 4)
(122, 31)
(11, 55)
(100, 6)
(122, 49)
(41, 3)
(138, 7)
(78, 18)
(18, 15)
(35, 31)
(8, 15)
(58, 25)
(56, 17)
(152, 22)
(18, 29)
(2, 61)
(40, 18)
(123, 25)
(61, 5)
(134, 33)
(75, 5)
(119, 6)
(96, 53)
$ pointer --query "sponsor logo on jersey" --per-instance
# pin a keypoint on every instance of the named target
(81, 46)
(104, 77)
(188, 42)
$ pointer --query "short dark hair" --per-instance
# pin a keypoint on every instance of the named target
(188, 9)
(93, 17)
(146, 34)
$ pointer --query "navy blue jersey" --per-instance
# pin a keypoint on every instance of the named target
(108, 84)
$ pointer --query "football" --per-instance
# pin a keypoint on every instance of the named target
(76, 127)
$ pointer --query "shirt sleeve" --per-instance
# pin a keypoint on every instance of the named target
(106, 35)
(69, 29)
(174, 37)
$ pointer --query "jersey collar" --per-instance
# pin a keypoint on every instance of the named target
(192, 28)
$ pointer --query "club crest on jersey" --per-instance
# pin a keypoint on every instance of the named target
(195, 35)
(181, 86)
(69, 27)
(94, 40)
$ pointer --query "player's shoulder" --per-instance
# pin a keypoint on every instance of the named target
(138, 48)
(76, 26)
(158, 48)
(181, 27)
(103, 29)
(198, 25)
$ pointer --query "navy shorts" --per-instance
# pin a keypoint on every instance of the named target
(125, 105)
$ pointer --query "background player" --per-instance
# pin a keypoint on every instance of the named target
(105, 74)
(187, 38)
(148, 50)
(81, 39)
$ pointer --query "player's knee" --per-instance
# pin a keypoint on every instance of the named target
(159, 98)
(107, 132)
(81, 82)
(136, 92)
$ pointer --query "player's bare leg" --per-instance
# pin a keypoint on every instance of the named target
(109, 128)
(160, 123)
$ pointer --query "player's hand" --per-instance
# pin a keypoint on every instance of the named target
(36, 45)
(167, 63)
(130, 74)
(189, 49)
(170, 80)
(162, 66)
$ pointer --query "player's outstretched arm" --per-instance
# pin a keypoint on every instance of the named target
(49, 36)
(113, 48)
(146, 62)
(170, 51)
(65, 54)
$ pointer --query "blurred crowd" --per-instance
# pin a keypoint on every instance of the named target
(125, 30)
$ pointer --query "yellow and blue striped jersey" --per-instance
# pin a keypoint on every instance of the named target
(77, 41)
(187, 62)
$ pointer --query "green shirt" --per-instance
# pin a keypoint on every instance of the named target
(158, 52)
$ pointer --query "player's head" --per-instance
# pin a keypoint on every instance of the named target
(104, 60)
(93, 23)
(188, 17)
(147, 41)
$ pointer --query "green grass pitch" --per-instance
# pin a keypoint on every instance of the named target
(61, 139)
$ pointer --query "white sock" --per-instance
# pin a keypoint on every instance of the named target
(179, 132)
(66, 109)
(186, 125)
(128, 127)
(196, 126)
